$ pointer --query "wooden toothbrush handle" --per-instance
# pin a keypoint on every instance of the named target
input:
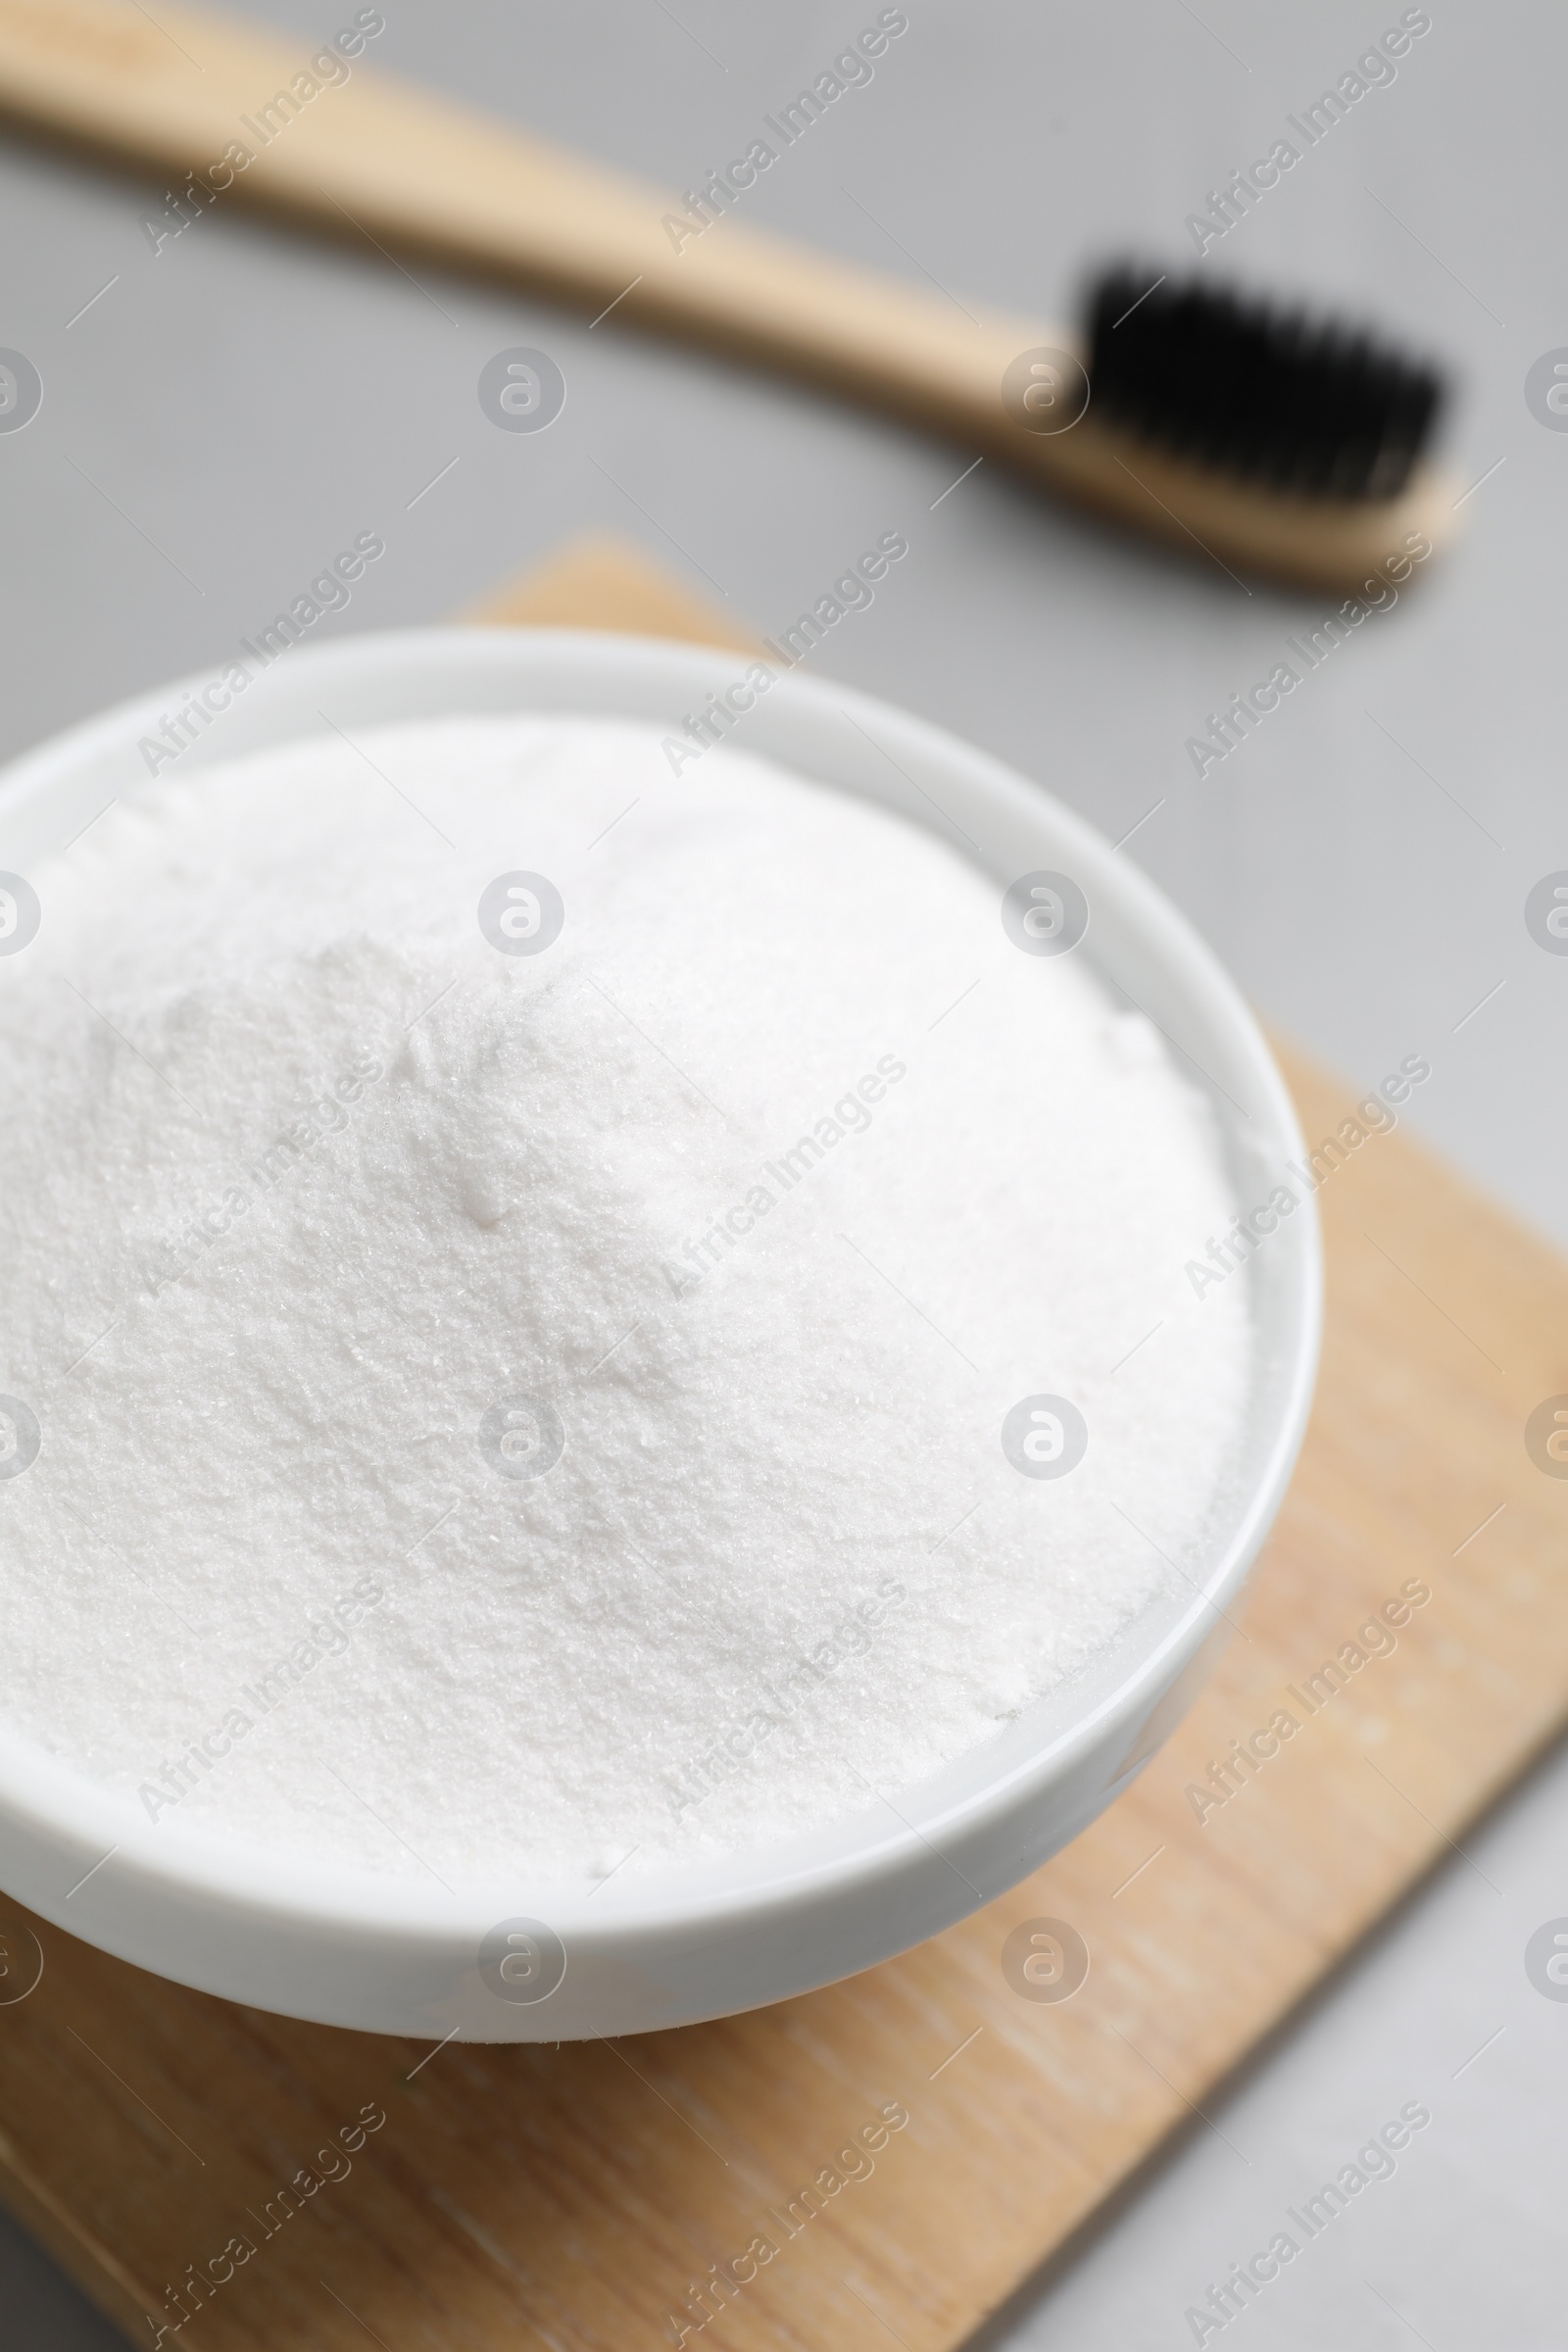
(195, 95)
(414, 169)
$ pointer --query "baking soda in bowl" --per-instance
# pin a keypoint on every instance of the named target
(556, 1317)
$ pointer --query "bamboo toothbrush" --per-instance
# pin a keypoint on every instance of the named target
(1250, 439)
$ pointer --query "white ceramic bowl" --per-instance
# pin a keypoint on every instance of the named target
(708, 1938)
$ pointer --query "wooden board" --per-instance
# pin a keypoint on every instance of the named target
(577, 2197)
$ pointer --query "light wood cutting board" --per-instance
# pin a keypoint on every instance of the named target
(577, 2197)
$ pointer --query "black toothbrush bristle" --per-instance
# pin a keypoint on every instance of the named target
(1268, 394)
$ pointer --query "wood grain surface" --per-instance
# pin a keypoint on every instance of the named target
(953, 2132)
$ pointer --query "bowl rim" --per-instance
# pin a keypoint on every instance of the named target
(53, 1804)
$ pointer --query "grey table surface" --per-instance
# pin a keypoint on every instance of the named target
(220, 415)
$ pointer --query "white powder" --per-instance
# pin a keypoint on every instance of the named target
(782, 1552)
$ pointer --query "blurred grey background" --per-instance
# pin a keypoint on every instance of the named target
(221, 415)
